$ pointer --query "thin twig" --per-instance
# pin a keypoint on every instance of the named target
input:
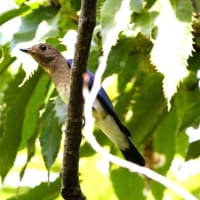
(89, 122)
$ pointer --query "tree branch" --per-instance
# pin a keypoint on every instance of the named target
(88, 134)
(70, 180)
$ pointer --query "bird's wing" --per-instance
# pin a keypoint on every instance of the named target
(104, 100)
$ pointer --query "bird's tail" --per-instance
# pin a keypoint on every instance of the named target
(132, 154)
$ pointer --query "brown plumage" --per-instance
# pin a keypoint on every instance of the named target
(54, 64)
(52, 61)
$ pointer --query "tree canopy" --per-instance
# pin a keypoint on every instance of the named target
(152, 77)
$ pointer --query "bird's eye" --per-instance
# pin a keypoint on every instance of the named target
(43, 47)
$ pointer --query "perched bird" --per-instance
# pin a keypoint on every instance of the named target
(58, 68)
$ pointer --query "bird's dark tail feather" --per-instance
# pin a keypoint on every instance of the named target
(133, 155)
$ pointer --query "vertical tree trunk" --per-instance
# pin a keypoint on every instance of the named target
(70, 181)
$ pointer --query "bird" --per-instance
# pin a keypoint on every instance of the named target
(58, 68)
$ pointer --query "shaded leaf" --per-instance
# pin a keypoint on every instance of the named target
(16, 100)
(50, 135)
(193, 151)
(132, 187)
(118, 56)
(187, 102)
(148, 110)
(44, 191)
(182, 143)
(144, 22)
(164, 139)
(31, 147)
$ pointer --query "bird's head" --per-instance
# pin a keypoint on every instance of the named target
(55, 64)
(45, 55)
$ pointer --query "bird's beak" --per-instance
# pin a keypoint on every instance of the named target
(26, 50)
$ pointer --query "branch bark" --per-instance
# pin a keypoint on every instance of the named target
(70, 181)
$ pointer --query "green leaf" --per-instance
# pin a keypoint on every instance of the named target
(108, 12)
(149, 3)
(182, 143)
(111, 14)
(15, 101)
(31, 21)
(50, 135)
(6, 16)
(32, 121)
(86, 150)
(194, 61)
(118, 56)
(136, 5)
(35, 104)
(193, 151)
(60, 109)
(6, 58)
(132, 187)
(148, 109)
(183, 9)
(164, 139)
(54, 41)
(172, 47)
(98, 9)
(31, 147)
(187, 102)
(144, 22)
(44, 191)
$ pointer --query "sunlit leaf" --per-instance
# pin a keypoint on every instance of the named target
(32, 121)
(136, 5)
(4, 17)
(172, 47)
(126, 32)
(112, 13)
(183, 9)
(31, 21)
(98, 168)
(33, 108)
(44, 191)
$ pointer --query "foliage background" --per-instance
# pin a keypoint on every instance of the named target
(157, 48)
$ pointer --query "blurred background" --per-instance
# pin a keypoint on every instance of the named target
(152, 77)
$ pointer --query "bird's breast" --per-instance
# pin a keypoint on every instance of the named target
(63, 91)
